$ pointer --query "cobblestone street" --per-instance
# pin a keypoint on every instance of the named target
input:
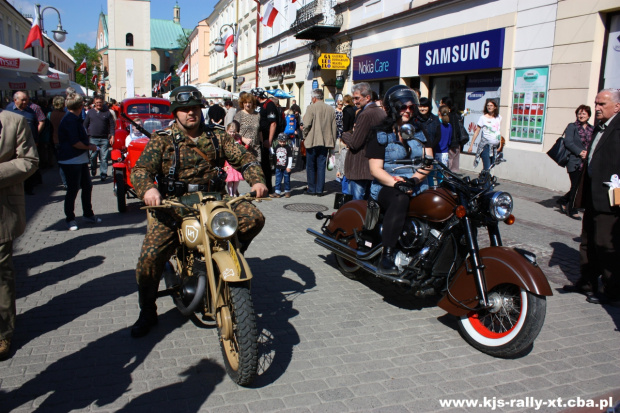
(327, 343)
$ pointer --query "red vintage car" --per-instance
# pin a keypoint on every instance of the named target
(150, 114)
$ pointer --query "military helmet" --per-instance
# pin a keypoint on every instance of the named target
(185, 96)
(259, 92)
(396, 97)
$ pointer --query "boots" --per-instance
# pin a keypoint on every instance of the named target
(387, 266)
(147, 294)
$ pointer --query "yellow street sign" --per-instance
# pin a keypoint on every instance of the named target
(336, 61)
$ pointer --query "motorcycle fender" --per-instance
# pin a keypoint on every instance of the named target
(233, 267)
(502, 265)
(119, 165)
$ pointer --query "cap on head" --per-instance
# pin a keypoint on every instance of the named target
(259, 92)
(282, 137)
(185, 96)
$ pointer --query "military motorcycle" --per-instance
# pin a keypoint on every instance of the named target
(209, 279)
(497, 293)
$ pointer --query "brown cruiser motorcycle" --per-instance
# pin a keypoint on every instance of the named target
(498, 293)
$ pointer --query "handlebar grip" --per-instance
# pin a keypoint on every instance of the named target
(252, 194)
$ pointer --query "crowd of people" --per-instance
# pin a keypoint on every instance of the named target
(258, 135)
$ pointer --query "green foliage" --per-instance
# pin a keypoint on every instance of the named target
(177, 54)
(79, 52)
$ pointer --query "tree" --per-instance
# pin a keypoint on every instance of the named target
(93, 59)
(177, 54)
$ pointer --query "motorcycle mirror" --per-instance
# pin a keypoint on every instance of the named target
(407, 131)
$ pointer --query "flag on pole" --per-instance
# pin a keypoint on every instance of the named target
(155, 88)
(35, 33)
(269, 15)
(159, 87)
(93, 79)
(168, 78)
(182, 68)
(82, 68)
(230, 39)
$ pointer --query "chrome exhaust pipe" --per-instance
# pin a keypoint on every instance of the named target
(359, 258)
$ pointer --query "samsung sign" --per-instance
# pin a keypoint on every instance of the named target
(476, 51)
(378, 65)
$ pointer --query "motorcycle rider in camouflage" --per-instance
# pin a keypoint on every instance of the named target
(189, 139)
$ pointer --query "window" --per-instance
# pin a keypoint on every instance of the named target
(129, 39)
(1, 30)
(10, 32)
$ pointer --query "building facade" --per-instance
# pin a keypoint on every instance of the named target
(539, 58)
(229, 12)
(14, 29)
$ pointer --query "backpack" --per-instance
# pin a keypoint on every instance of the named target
(291, 125)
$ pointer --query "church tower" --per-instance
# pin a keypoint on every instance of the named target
(129, 51)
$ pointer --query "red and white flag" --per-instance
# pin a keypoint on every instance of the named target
(159, 87)
(155, 88)
(82, 68)
(167, 79)
(182, 68)
(93, 79)
(231, 38)
(35, 33)
(269, 15)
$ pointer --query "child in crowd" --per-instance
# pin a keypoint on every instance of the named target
(340, 167)
(232, 175)
(443, 140)
(284, 163)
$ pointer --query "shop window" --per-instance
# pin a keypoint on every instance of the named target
(129, 39)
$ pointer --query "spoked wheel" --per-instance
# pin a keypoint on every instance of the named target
(510, 326)
(237, 330)
(348, 268)
(121, 191)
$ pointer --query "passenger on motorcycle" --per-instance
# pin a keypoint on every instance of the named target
(389, 188)
(187, 157)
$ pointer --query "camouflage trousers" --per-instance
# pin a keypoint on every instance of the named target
(161, 240)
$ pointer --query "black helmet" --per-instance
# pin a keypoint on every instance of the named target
(398, 95)
(259, 92)
(185, 96)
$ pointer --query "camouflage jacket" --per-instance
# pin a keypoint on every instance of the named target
(158, 157)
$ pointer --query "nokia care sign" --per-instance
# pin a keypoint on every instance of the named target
(378, 65)
(476, 51)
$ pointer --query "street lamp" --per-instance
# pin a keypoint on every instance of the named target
(219, 48)
(60, 34)
(95, 74)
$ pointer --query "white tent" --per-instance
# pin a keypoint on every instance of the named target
(78, 88)
(209, 90)
(13, 60)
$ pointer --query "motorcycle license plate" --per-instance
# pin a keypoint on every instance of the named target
(233, 254)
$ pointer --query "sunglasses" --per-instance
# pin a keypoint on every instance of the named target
(410, 107)
(184, 97)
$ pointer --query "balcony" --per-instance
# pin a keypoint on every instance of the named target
(317, 20)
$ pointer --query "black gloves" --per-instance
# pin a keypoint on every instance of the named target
(407, 186)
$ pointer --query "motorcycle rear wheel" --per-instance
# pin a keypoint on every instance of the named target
(348, 268)
(508, 329)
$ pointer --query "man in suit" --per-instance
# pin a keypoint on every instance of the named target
(18, 160)
(600, 234)
(319, 136)
(356, 167)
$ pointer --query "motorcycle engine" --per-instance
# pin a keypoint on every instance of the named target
(414, 234)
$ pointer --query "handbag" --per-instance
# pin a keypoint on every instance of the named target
(558, 152)
(464, 134)
(331, 162)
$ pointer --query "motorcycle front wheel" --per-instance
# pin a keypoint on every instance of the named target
(236, 323)
(508, 328)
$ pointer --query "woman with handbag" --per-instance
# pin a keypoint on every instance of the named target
(577, 139)
(489, 124)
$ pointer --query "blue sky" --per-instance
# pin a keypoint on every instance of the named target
(80, 17)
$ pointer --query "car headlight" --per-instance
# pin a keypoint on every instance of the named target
(224, 224)
(500, 205)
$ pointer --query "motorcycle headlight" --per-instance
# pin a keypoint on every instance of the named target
(224, 224)
(500, 205)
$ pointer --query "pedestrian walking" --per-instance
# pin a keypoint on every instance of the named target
(232, 175)
(73, 159)
(284, 165)
(99, 124)
(319, 137)
(18, 160)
